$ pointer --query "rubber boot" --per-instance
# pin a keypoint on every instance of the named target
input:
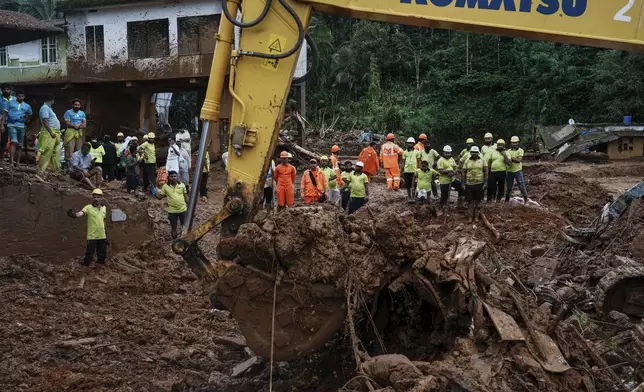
(470, 213)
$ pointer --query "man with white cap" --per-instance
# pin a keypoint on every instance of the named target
(515, 170)
(475, 177)
(147, 155)
(446, 167)
(411, 157)
(498, 162)
(358, 183)
(488, 145)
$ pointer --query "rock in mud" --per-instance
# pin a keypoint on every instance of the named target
(392, 370)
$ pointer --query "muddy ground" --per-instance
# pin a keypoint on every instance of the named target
(143, 323)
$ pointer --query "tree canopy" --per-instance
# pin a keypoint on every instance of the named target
(389, 77)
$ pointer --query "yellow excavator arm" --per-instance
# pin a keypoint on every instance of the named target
(258, 75)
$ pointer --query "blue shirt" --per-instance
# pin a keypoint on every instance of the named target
(80, 161)
(17, 111)
(75, 118)
(47, 113)
(4, 105)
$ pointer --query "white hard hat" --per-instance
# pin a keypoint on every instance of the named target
(447, 149)
(411, 140)
(474, 149)
(359, 164)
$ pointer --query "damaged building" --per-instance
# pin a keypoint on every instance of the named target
(602, 141)
(124, 60)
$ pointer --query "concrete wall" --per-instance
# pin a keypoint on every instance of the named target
(24, 65)
(631, 147)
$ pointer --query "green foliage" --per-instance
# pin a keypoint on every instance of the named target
(454, 85)
(41, 9)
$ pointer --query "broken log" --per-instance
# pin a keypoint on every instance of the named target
(495, 232)
(297, 149)
(76, 342)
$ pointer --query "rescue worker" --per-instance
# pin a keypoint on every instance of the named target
(267, 197)
(177, 195)
(515, 170)
(97, 152)
(4, 110)
(446, 167)
(96, 234)
(497, 160)
(420, 146)
(424, 181)
(203, 185)
(389, 156)
(369, 157)
(120, 139)
(431, 156)
(347, 170)
(410, 163)
(147, 155)
(18, 115)
(332, 181)
(284, 175)
(49, 146)
(359, 184)
(76, 123)
(475, 178)
(488, 145)
(464, 154)
(313, 186)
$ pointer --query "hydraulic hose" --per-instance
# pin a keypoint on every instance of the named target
(242, 25)
(315, 57)
(290, 52)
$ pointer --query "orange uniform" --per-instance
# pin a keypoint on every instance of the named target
(419, 146)
(389, 153)
(310, 192)
(369, 157)
(335, 165)
(284, 176)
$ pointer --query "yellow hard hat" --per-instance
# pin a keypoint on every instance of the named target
(514, 139)
(469, 141)
(97, 191)
(324, 158)
(151, 135)
(120, 134)
(488, 136)
(500, 141)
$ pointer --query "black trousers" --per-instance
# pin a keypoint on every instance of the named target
(355, 204)
(268, 196)
(109, 172)
(149, 175)
(445, 190)
(98, 246)
(409, 180)
(203, 187)
(346, 195)
(495, 186)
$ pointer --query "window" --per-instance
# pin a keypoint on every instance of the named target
(148, 39)
(48, 50)
(94, 43)
(197, 34)
(4, 57)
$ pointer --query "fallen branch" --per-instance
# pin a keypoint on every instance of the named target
(495, 232)
(598, 360)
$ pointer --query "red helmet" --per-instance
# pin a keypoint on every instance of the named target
(391, 136)
(422, 137)
(335, 148)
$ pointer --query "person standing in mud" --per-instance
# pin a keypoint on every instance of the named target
(446, 167)
(411, 157)
(332, 180)
(359, 184)
(177, 195)
(425, 178)
(515, 170)
(4, 110)
(497, 160)
(431, 156)
(347, 170)
(147, 155)
(96, 234)
(75, 124)
(284, 176)
(475, 178)
(313, 186)
(131, 169)
(18, 115)
(109, 160)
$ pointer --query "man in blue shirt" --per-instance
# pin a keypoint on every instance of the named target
(4, 110)
(75, 122)
(17, 116)
(83, 169)
(49, 137)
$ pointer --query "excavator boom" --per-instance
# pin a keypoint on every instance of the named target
(258, 75)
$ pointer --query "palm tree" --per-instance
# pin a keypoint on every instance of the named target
(41, 9)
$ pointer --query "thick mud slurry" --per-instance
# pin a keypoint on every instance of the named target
(421, 289)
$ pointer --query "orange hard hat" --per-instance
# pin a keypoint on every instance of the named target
(390, 136)
(284, 154)
(335, 148)
(422, 137)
